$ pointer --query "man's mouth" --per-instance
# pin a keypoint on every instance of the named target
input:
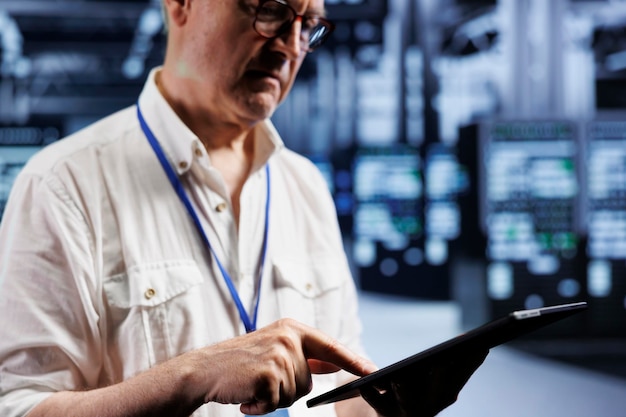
(259, 73)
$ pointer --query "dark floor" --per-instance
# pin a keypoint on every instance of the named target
(607, 356)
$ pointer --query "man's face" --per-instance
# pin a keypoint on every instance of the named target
(242, 76)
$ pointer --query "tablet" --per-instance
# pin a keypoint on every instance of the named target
(482, 338)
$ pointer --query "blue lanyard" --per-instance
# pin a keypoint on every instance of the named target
(250, 324)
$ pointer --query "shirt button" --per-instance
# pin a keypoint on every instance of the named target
(150, 293)
(309, 287)
(182, 164)
(221, 207)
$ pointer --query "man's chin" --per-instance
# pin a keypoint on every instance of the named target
(262, 105)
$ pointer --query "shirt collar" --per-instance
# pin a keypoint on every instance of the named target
(180, 143)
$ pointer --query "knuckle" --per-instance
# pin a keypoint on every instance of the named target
(331, 345)
(286, 324)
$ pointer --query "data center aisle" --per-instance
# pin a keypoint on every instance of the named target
(509, 384)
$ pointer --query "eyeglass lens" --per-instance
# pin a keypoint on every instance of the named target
(274, 17)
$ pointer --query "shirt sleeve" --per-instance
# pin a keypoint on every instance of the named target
(49, 336)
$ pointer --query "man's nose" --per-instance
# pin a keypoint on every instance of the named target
(291, 39)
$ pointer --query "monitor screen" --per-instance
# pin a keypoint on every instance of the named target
(530, 192)
(388, 191)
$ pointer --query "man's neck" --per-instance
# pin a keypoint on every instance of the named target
(214, 134)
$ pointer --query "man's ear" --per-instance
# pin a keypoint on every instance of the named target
(177, 11)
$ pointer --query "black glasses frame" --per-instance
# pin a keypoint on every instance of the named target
(285, 18)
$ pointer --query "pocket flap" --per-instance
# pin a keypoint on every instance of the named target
(151, 284)
(311, 279)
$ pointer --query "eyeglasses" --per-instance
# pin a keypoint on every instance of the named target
(274, 18)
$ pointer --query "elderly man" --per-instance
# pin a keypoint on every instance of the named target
(174, 258)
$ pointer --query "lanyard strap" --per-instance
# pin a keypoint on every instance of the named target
(249, 323)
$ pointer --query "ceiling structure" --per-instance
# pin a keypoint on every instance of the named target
(79, 57)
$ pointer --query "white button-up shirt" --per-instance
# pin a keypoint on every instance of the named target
(103, 274)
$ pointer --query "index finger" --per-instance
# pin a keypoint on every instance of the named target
(319, 346)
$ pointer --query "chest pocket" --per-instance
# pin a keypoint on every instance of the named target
(149, 307)
(311, 292)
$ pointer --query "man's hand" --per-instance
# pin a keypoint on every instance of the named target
(262, 371)
(424, 392)
(269, 368)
